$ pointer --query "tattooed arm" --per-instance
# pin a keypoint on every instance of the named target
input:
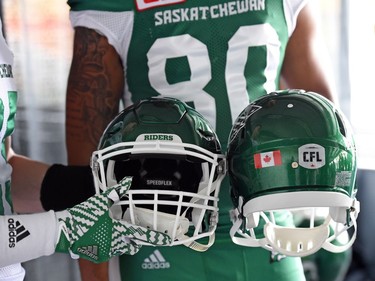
(95, 85)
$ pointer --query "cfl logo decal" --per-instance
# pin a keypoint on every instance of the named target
(311, 156)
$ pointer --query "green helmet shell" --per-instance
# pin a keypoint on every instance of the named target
(289, 141)
(156, 118)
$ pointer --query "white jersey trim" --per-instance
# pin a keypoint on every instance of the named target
(116, 26)
(292, 8)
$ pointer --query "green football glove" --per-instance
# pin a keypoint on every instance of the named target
(90, 231)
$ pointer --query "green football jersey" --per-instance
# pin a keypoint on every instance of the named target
(8, 101)
(217, 56)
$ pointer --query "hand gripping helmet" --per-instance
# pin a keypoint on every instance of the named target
(174, 158)
(292, 150)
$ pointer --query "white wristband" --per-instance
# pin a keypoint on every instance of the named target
(26, 237)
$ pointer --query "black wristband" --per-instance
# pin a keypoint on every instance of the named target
(66, 186)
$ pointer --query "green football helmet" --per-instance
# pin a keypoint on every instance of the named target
(176, 164)
(292, 150)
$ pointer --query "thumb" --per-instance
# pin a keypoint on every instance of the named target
(116, 192)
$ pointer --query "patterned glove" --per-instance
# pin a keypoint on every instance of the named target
(90, 231)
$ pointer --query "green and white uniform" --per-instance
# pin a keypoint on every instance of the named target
(8, 101)
(217, 56)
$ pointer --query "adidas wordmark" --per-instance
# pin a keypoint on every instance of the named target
(155, 261)
(90, 251)
(17, 232)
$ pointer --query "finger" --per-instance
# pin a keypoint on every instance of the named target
(144, 234)
(125, 184)
(119, 190)
(155, 238)
(127, 247)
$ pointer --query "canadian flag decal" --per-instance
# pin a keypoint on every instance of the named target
(149, 4)
(267, 159)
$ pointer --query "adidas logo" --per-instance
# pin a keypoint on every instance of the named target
(155, 261)
(90, 251)
(17, 232)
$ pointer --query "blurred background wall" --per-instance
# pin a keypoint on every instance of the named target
(40, 36)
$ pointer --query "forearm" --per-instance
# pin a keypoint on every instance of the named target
(27, 177)
(37, 186)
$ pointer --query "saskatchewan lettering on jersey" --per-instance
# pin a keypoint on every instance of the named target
(208, 12)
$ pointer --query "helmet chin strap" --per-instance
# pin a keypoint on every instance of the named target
(205, 187)
(353, 213)
(199, 247)
(248, 240)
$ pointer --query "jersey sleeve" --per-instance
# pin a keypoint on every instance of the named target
(292, 8)
(26, 237)
(117, 27)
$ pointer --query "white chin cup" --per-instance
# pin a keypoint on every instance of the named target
(297, 242)
(169, 224)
